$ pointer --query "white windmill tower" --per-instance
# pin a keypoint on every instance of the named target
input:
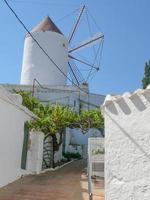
(36, 65)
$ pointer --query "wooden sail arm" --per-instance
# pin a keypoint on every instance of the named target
(83, 62)
(87, 43)
(73, 73)
(77, 23)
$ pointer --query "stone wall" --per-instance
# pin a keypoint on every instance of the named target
(127, 146)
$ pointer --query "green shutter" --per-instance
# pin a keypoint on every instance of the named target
(25, 146)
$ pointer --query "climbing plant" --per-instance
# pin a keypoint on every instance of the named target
(90, 119)
(53, 119)
(28, 100)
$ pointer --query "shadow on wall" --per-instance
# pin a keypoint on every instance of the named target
(124, 106)
(129, 136)
(147, 96)
(138, 102)
(135, 99)
(112, 108)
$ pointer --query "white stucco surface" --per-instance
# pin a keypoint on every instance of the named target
(36, 65)
(77, 137)
(127, 146)
(58, 154)
(35, 152)
(12, 119)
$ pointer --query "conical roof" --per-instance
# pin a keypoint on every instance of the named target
(46, 25)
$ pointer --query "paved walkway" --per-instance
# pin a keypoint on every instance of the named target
(67, 183)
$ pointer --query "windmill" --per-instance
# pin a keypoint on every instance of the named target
(60, 49)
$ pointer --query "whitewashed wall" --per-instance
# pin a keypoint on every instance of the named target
(58, 154)
(127, 146)
(79, 138)
(12, 118)
(35, 152)
(37, 65)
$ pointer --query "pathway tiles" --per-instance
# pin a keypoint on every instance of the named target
(67, 183)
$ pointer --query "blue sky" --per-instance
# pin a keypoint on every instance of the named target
(125, 24)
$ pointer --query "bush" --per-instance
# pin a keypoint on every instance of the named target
(69, 156)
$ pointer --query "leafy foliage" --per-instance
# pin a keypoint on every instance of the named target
(69, 156)
(90, 119)
(146, 79)
(28, 101)
(53, 119)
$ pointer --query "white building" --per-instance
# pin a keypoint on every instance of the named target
(127, 140)
(17, 158)
(42, 77)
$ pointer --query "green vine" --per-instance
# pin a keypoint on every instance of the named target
(53, 119)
